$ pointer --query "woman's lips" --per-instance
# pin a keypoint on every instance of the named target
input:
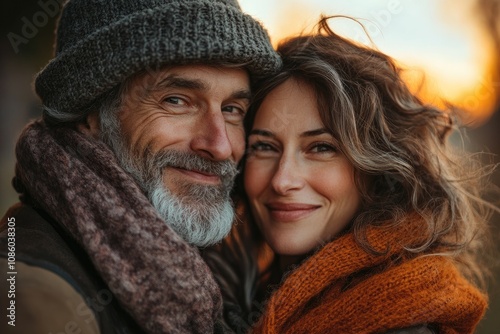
(289, 212)
(199, 176)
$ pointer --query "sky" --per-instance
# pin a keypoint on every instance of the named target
(439, 39)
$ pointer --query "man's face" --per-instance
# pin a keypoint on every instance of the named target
(181, 136)
(197, 109)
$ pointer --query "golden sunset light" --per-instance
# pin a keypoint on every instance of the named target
(250, 166)
(440, 44)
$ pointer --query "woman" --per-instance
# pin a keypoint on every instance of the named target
(358, 215)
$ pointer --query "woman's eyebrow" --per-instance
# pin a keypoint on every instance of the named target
(313, 133)
(261, 132)
(310, 133)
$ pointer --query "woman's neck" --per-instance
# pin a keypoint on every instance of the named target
(287, 262)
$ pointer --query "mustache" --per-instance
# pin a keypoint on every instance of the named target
(226, 170)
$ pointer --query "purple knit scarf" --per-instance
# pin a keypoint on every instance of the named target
(158, 278)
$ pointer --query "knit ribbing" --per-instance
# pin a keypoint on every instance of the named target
(101, 43)
(422, 290)
(156, 276)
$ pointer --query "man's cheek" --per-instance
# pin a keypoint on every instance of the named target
(238, 144)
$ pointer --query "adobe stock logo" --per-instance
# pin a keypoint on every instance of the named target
(29, 29)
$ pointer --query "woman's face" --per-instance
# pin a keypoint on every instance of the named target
(300, 186)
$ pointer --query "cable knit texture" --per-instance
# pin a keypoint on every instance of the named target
(343, 289)
(157, 277)
(102, 42)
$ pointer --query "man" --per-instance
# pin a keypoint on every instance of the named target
(142, 131)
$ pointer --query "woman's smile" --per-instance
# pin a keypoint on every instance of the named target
(290, 212)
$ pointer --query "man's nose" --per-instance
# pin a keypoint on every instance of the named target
(210, 138)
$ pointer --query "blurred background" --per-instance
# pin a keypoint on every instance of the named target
(450, 50)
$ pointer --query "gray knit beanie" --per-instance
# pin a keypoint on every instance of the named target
(102, 42)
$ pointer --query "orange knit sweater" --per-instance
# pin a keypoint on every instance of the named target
(343, 289)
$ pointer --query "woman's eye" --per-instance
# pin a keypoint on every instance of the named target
(324, 148)
(261, 147)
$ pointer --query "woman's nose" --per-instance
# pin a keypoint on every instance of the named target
(287, 176)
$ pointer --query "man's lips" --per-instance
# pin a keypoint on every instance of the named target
(199, 175)
(288, 212)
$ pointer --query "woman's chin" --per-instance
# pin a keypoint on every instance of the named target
(291, 248)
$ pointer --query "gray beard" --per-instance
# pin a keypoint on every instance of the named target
(201, 214)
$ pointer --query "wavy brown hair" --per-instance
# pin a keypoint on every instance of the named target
(398, 145)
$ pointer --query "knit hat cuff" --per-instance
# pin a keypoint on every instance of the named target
(208, 33)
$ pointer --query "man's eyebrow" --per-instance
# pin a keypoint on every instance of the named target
(242, 94)
(175, 81)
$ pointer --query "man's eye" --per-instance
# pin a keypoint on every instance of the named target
(174, 100)
(233, 110)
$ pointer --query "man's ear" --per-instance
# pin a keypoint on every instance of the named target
(90, 126)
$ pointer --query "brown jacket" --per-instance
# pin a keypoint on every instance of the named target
(57, 289)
